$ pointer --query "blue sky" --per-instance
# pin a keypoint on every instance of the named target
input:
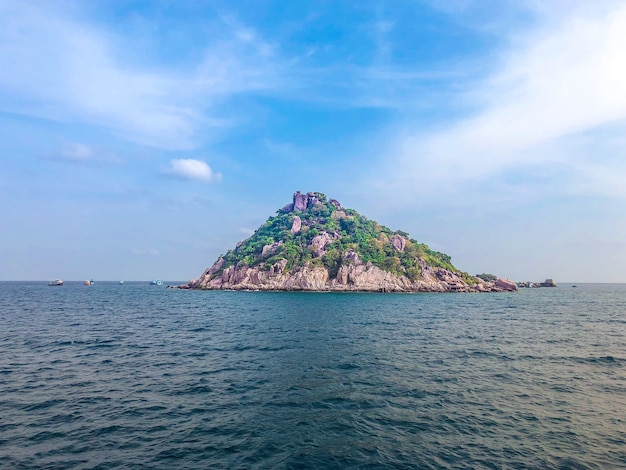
(141, 139)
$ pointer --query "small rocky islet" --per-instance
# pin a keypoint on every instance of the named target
(315, 244)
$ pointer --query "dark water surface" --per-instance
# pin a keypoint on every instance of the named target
(138, 376)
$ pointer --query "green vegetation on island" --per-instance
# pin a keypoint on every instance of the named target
(316, 231)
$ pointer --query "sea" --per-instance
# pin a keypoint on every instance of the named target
(135, 376)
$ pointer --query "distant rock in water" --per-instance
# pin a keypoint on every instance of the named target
(530, 284)
(314, 244)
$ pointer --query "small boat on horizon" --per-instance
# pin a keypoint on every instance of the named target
(121, 282)
(56, 282)
(156, 282)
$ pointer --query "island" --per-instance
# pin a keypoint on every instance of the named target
(315, 244)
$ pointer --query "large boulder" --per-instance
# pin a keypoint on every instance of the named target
(335, 203)
(506, 285)
(296, 225)
(299, 201)
(398, 242)
(270, 249)
(319, 242)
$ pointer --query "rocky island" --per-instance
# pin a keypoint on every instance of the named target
(314, 244)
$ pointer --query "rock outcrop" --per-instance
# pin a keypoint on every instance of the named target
(505, 284)
(398, 242)
(317, 245)
(357, 276)
(296, 225)
(302, 202)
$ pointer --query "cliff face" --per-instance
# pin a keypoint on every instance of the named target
(361, 277)
(313, 244)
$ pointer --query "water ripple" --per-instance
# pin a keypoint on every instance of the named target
(139, 377)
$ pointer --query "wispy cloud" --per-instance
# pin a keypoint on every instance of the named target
(77, 152)
(192, 169)
(553, 84)
(80, 153)
(146, 251)
(66, 69)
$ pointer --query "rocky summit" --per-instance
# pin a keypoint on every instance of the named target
(315, 244)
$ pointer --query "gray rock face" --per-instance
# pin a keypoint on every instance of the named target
(505, 285)
(271, 248)
(311, 200)
(398, 242)
(354, 275)
(216, 267)
(299, 201)
(297, 225)
(279, 267)
(319, 242)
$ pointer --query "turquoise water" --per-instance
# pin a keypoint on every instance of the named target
(137, 376)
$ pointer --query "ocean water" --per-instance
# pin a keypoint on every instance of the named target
(135, 376)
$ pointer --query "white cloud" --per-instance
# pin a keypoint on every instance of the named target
(192, 169)
(77, 152)
(552, 85)
(58, 66)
